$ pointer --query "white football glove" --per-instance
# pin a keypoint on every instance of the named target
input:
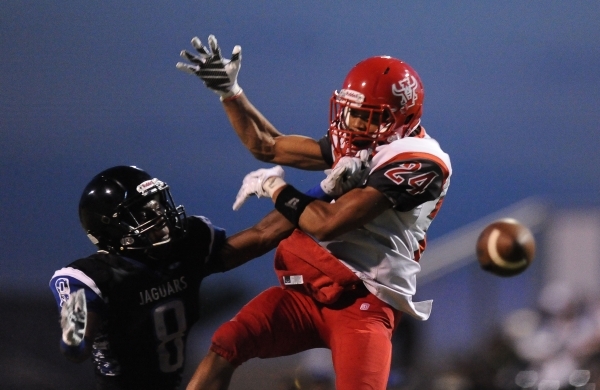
(218, 74)
(262, 182)
(347, 174)
(73, 318)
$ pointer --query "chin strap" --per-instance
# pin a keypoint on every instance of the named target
(414, 131)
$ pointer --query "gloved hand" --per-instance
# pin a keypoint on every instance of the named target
(347, 173)
(218, 74)
(73, 318)
(262, 182)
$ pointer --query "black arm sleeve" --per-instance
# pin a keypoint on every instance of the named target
(326, 150)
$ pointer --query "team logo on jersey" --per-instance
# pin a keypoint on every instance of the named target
(406, 90)
(64, 290)
(149, 186)
(365, 306)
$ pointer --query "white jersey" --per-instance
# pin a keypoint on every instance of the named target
(414, 173)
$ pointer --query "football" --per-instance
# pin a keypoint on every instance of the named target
(505, 247)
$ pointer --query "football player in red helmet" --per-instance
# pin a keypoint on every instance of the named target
(349, 270)
(381, 100)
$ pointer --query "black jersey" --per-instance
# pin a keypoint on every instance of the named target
(146, 312)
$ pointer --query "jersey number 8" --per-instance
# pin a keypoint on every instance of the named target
(168, 362)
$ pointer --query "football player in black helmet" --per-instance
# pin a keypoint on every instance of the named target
(124, 208)
(131, 305)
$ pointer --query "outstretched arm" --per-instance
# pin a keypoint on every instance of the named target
(261, 138)
(325, 221)
(256, 240)
(266, 143)
(322, 220)
(353, 207)
(266, 235)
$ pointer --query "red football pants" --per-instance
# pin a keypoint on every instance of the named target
(278, 322)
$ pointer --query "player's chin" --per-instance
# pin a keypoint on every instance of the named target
(361, 144)
(160, 236)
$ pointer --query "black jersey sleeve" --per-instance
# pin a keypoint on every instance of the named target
(326, 150)
(407, 184)
(208, 240)
(96, 273)
(100, 268)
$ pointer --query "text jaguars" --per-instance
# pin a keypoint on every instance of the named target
(162, 291)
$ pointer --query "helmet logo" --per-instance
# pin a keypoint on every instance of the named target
(146, 187)
(351, 96)
(406, 90)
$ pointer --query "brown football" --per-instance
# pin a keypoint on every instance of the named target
(505, 247)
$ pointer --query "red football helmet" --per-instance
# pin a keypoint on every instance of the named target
(383, 91)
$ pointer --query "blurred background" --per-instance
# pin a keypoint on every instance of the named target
(512, 94)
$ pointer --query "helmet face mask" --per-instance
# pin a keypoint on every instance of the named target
(386, 94)
(376, 123)
(123, 208)
(148, 224)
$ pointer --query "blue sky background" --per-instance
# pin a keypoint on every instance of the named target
(512, 94)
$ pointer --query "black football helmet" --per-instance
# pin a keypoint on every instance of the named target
(123, 208)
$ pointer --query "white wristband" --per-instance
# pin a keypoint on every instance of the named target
(235, 91)
(272, 184)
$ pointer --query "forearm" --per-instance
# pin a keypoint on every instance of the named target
(83, 351)
(256, 240)
(324, 220)
(266, 143)
(254, 130)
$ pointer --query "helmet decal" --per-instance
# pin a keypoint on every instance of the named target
(351, 96)
(146, 187)
(406, 90)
